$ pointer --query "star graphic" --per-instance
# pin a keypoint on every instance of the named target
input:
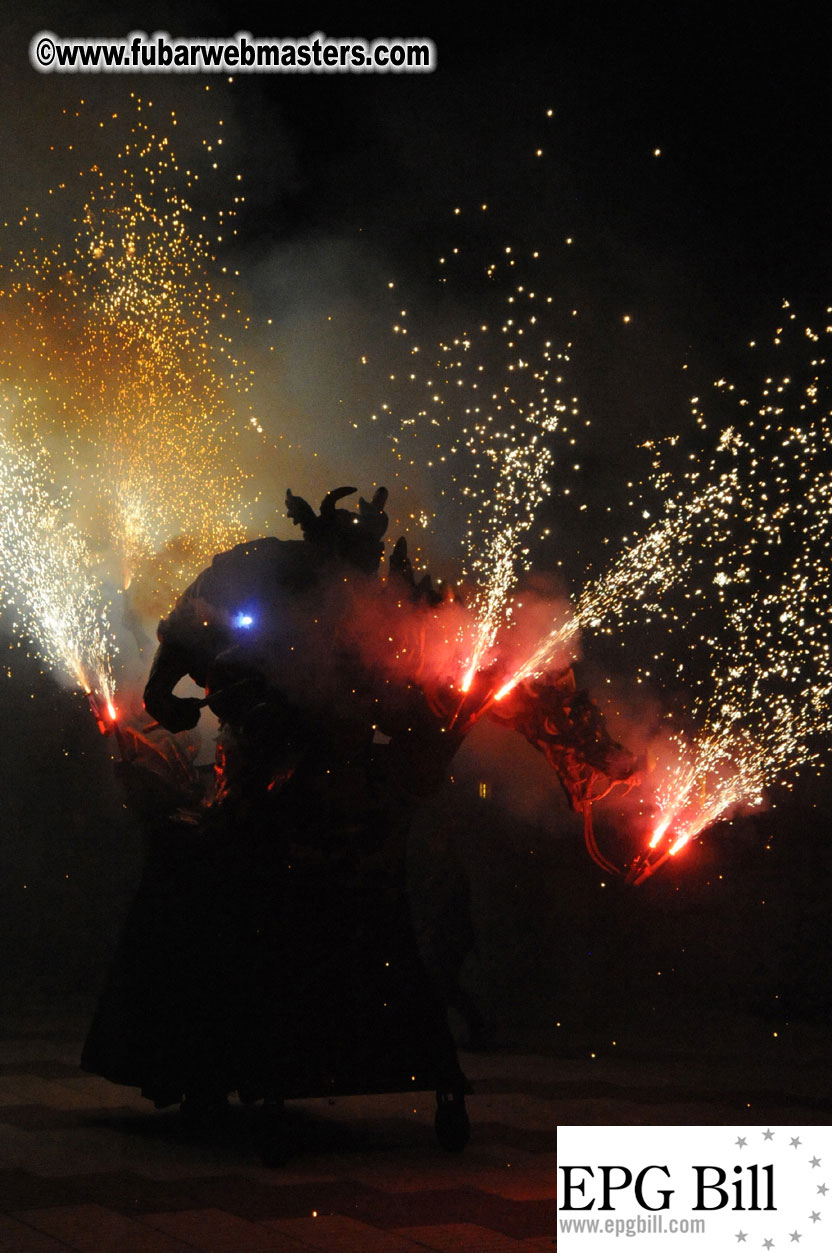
(768, 1135)
(815, 1216)
(795, 1142)
(794, 1236)
(740, 1142)
(823, 1189)
(768, 1244)
(815, 1161)
(741, 1236)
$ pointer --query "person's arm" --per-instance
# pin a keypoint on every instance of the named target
(176, 713)
(187, 643)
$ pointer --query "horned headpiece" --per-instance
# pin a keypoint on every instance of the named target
(356, 537)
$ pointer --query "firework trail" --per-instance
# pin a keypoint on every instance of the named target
(47, 574)
(735, 576)
(744, 597)
(119, 350)
(124, 398)
(641, 576)
(478, 412)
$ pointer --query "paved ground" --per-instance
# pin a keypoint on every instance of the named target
(88, 1166)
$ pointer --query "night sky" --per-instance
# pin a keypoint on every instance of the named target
(350, 181)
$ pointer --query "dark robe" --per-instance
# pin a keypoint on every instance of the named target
(270, 950)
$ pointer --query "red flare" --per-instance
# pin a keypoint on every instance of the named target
(106, 717)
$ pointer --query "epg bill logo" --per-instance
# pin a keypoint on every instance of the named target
(718, 1187)
(707, 1184)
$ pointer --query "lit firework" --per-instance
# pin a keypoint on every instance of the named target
(752, 615)
(121, 349)
(732, 568)
(706, 778)
(47, 577)
(478, 411)
(641, 576)
(735, 572)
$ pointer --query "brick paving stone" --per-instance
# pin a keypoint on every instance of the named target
(69, 1094)
(462, 1175)
(514, 1105)
(337, 1234)
(62, 1154)
(20, 1189)
(398, 1176)
(46, 1068)
(215, 1231)
(49, 1115)
(522, 1188)
(102, 1166)
(248, 1198)
(531, 1181)
(123, 1192)
(94, 1229)
(29, 1089)
(412, 1209)
(458, 1237)
(458, 1205)
(137, 1194)
(15, 1051)
(528, 1139)
(17, 1237)
(101, 1092)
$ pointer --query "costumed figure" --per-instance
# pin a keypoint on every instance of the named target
(269, 950)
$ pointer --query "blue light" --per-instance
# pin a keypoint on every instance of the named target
(244, 620)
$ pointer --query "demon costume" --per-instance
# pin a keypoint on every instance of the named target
(270, 951)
